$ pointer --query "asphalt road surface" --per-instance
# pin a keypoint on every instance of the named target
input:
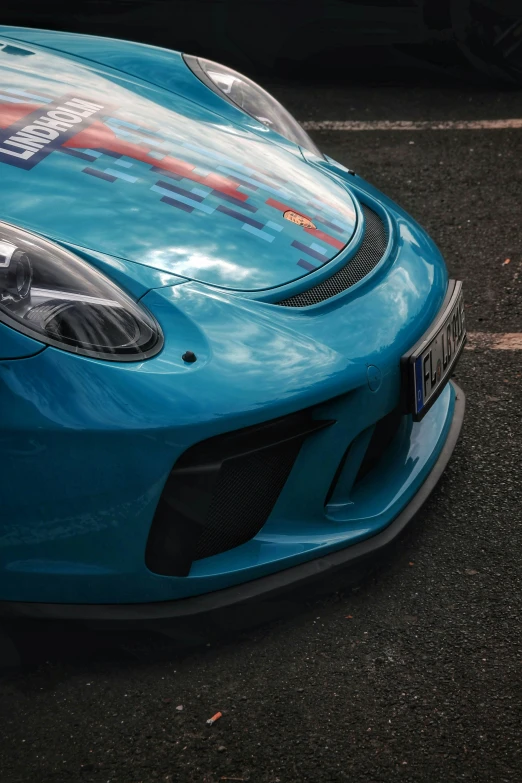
(415, 673)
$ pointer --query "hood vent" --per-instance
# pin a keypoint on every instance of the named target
(370, 252)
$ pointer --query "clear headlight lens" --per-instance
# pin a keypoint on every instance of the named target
(251, 98)
(54, 296)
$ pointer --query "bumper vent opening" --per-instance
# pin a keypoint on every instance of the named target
(245, 494)
(358, 463)
(221, 491)
(370, 252)
(383, 434)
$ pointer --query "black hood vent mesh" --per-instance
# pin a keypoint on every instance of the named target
(370, 252)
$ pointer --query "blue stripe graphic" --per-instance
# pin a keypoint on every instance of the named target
(190, 202)
(308, 251)
(121, 175)
(182, 191)
(239, 216)
(258, 233)
(25, 94)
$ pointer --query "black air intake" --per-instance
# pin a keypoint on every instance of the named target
(221, 491)
(384, 432)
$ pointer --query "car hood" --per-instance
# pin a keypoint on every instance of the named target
(102, 160)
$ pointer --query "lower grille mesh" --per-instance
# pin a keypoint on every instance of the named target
(367, 257)
(221, 491)
(247, 490)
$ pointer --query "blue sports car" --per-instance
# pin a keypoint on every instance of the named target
(225, 358)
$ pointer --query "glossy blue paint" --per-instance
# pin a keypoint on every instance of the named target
(87, 445)
(374, 376)
(136, 279)
(153, 65)
(180, 204)
(14, 345)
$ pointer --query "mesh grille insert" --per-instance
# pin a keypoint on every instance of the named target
(247, 490)
(221, 491)
(367, 257)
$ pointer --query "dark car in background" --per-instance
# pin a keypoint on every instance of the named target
(343, 39)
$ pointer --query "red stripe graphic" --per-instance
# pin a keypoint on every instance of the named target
(315, 232)
(12, 112)
(330, 240)
(272, 202)
(100, 136)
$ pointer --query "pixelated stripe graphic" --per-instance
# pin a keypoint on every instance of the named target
(181, 191)
(12, 112)
(239, 216)
(329, 210)
(308, 250)
(178, 204)
(272, 202)
(199, 195)
(99, 174)
(326, 238)
(78, 154)
(201, 191)
(167, 145)
(249, 224)
(207, 152)
(243, 182)
(306, 265)
(25, 94)
(109, 152)
(239, 167)
(267, 179)
(219, 156)
(121, 175)
(191, 202)
(331, 225)
(101, 137)
(322, 235)
(141, 137)
(257, 182)
(258, 233)
(271, 175)
(165, 173)
(235, 201)
(324, 215)
(11, 99)
(320, 248)
(115, 122)
(274, 226)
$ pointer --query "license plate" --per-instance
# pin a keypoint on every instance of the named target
(428, 366)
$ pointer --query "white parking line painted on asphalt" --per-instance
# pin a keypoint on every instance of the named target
(410, 125)
(508, 341)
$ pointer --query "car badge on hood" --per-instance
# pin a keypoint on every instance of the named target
(300, 220)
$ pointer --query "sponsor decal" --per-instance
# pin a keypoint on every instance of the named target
(33, 137)
(300, 220)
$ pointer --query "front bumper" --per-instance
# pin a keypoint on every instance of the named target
(157, 613)
(88, 446)
(143, 614)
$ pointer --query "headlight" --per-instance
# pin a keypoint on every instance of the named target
(54, 296)
(251, 98)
